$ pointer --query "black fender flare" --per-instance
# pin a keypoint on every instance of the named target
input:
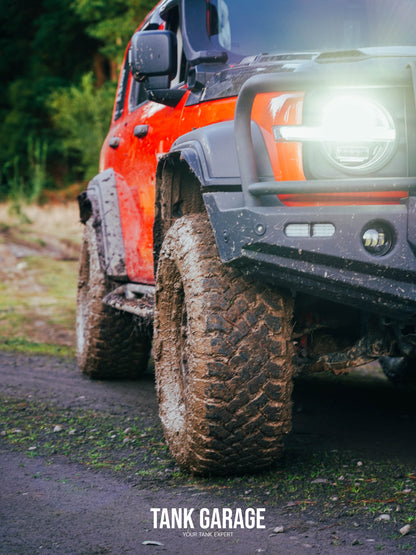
(210, 153)
(100, 202)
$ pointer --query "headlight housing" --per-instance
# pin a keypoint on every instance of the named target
(359, 134)
(346, 133)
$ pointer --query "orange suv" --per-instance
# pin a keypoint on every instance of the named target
(254, 215)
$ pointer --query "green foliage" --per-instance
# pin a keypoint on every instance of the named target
(82, 114)
(46, 48)
(112, 23)
(27, 116)
(26, 189)
(37, 155)
(43, 46)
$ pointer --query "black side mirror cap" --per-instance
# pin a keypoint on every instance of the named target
(153, 54)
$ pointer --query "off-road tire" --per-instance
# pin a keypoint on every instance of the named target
(223, 359)
(399, 370)
(109, 346)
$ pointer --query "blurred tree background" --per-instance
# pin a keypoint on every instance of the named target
(59, 64)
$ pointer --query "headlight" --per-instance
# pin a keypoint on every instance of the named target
(357, 134)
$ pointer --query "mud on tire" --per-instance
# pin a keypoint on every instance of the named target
(108, 344)
(223, 359)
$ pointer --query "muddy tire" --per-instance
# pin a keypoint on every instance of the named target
(399, 370)
(223, 358)
(108, 344)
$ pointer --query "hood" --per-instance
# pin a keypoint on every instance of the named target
(228, 81)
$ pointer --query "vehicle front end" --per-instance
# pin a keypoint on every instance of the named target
(331, 213)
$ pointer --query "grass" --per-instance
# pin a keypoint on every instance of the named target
(60, 221)
(93, 439)
(348, 485)
(23, 345)
(38, 279)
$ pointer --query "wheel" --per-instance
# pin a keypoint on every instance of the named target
(108, 344)
(399, 370)
(223, 358)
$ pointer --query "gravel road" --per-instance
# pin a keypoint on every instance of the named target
(53, 505)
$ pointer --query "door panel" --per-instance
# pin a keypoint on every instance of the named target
(136, 162)
(133, 146)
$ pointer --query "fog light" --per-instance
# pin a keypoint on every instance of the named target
(377, 239)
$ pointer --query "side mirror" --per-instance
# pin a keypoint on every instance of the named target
(153, 54)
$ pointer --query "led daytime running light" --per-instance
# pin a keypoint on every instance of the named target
(301, 133)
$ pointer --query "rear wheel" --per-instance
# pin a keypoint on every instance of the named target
(223, 358)
(108, 344)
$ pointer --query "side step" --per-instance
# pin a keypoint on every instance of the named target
(134, 298)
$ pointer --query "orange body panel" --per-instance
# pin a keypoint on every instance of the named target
(135, 167)
(135, 162)
(207, 113)
(280, 109)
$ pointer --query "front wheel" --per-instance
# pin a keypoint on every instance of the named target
(223, 358)
(108, 344)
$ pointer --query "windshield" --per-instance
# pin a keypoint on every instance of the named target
(245, 27)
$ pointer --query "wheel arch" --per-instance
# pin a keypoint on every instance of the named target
(204, 160)
(178, 193)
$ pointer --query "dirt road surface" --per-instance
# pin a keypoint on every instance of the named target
(55, 505)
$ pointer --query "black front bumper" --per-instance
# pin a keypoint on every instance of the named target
(338, 267)
(250, 226)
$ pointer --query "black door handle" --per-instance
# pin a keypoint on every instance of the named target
(114, 142)
(140, 131)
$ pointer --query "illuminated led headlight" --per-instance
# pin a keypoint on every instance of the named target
(357, 134)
